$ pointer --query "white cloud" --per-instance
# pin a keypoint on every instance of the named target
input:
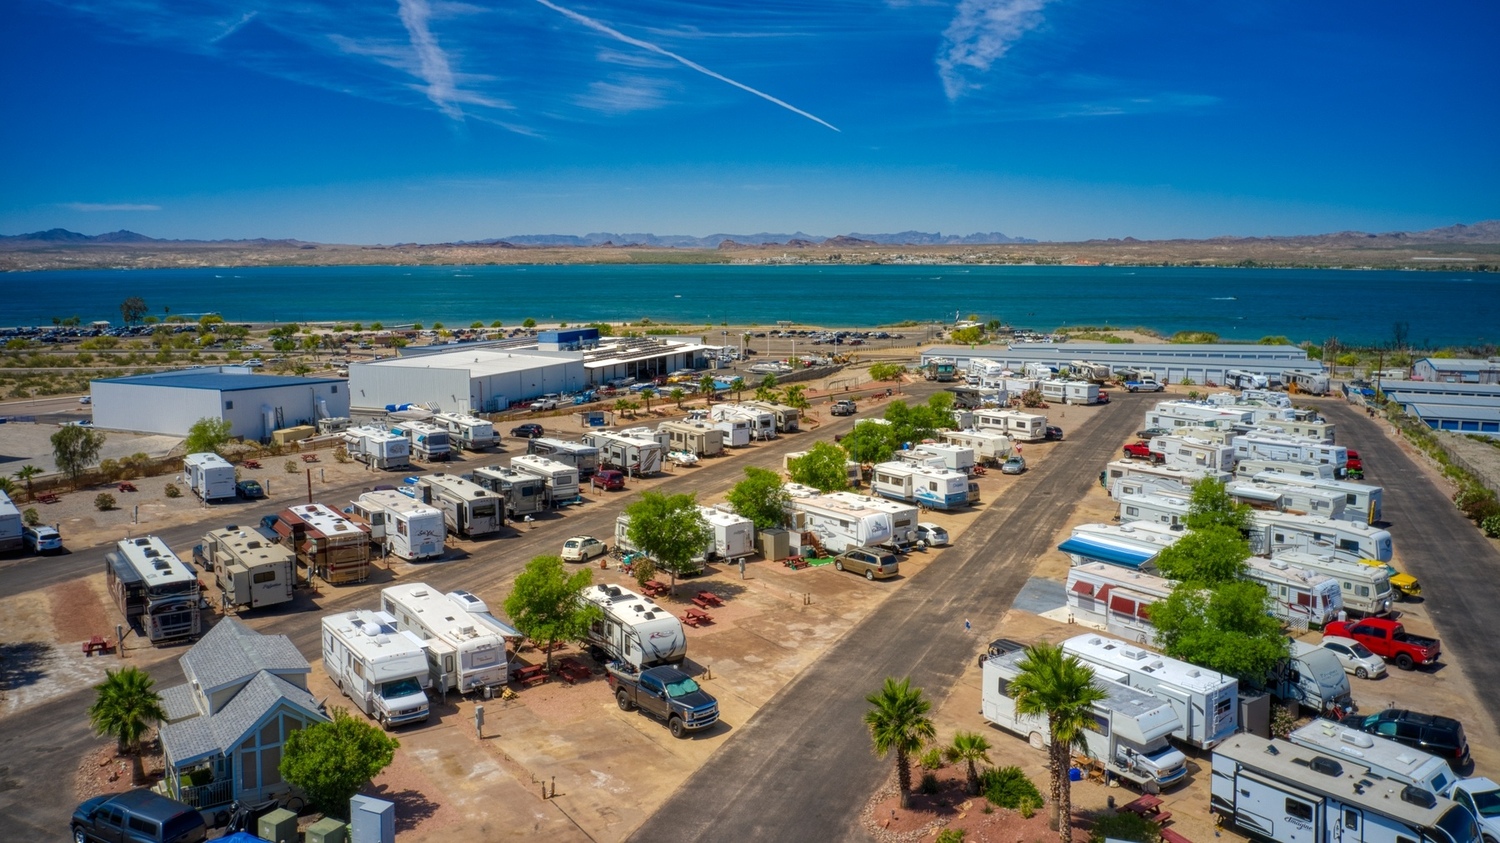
(624, 93)
(981, 32)
(90, 207)
(432, 63)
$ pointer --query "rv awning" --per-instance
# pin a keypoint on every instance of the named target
(502, 627)
(1113, 554)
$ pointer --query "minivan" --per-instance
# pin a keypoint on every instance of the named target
(1441, 736)
(137, 815)
(873, 562)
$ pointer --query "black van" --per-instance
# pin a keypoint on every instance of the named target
(138, 816)
(1441, 736)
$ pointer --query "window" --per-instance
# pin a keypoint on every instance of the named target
(143, 826)
(229, 405)
(111, 818)
(1299, 810)
(334, 390)
(264, 577)
(1003, 686)
(248, 769)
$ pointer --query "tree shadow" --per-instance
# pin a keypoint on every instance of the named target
(412, 807)
(21, 663)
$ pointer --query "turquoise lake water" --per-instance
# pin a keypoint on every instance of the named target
(1440, 308)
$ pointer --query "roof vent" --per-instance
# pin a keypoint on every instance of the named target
(1278, 564)
(1420, 797)
(1326, 766)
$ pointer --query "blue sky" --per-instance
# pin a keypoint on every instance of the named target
(422, 120)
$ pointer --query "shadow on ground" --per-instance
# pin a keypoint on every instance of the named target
(412, 808)
(21, 663)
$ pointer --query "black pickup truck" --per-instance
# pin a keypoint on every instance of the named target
(667, 694)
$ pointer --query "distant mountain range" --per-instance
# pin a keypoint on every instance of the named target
(64, 237)
(713, 241)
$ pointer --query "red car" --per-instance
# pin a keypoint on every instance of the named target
(608, 480)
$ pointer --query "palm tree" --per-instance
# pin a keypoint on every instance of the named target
(1062, 689)
(795, 396)
(648, 393)
(24, 474)
(706, 386)
(970, 748)
(766, 391)
(677, 395)
(738, 385)
(125, 708)
(621, 405)
(8, 486)
(899, 721)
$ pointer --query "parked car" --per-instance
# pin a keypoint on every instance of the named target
(529, 430)
(1390, 640)
(1054, 433)
(1143, 386)
(932, 534)
(87, 399)
(1481, 797)
(1355, 657)
(582, 549)
(1013, 465)
(873, 562)
(1441, 736)
(608, 479)
(249, 490)
(1153, 432)
(843, 408)
(41, 539)
(138, 816)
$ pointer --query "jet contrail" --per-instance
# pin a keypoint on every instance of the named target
(646, 45)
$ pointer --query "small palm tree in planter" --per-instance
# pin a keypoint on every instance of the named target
(970, 748)
(125, 707)
(898, 721)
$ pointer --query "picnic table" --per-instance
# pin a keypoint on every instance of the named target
(48, 497)
(796, 563)
(1148, 806)
(1171, 836)
(309, 457)
(655, 588)
(696, 617)
(530, 674)
(96, 644)
(709, 599)
(251, 463)
(572, 670)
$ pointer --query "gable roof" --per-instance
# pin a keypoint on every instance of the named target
(232, 652)
(192, 740)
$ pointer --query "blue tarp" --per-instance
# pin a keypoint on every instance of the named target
(1112, 554)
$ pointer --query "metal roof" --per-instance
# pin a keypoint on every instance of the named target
(1456, 412)
(216, 378)
(1461, 364)
(1398, 388)
(479, 362)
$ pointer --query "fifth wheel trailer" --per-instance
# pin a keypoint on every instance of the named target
(1206, 701)
(326, 543)
(469, 509)
(251, 570)
(525, 494)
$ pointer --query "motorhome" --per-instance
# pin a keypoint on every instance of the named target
(525, 494)
(1311, 471)
(469, 509)
(380, 668)
(1310, 383)
(1317, 431)
(633, 455)
(326, 543)
(429, 443)
(1019, 426)
(1115, 599)
(471, 433)
(1188, 452)
(1313, 678)
(1121, 469)
(1382, 756)
(633, 630)
(580, 455)
(990, 447)
(1130, 740)
(1174, 414)
(958, 458)
(153, 589)
(1070, 391)
(940, 369)
(210, 476)
(1134, 546)
(1265, 446)
(1241, 379)
(465, 653)
(1361, 501)
(1205, 701)
(1278, 791)
(1275, 532)
(377, 447)
(1302, 597)
(560, 479)
(252, 570)
(696, 438)
(935, 488)
(1163, 509)
(788, 419)
(904, 516)
(734, 534)
(762, 421)
(838, 524)
(1299, 500)
(401, 525)
(1366, 588)
(12, 525)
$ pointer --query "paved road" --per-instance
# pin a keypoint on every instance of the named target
(803, 767)
(1455, 563)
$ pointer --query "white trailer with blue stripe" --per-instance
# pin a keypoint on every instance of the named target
(929, 486)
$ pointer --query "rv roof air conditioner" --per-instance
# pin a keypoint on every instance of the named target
(1420, 797)
(1359, 739)
(1326, 766)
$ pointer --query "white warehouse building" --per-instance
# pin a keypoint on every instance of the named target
(255, 405)
(473, 379)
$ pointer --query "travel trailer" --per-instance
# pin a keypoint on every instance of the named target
(1206, 702)
(1310, 383)
(633, 455)
(1241, 379)
(738, 432)
(694, 437)
(904, 516)
(1148, 485)
(210, 476)
(1382, 756)
(1070, 392)
(1115, 599)
(788, 419)
(1265, 446)
(1019, 426)
(990, 447)
(470, 433)
(633, 630)
(1131, 741)
(1299, 500)
(1120, 469)
(465, 653)
(1134, 546)
(958, 458)
(251, 570)
(561, 479)
(762, 421)
(1278, 791)
(326, 543)
(1162, 509)
(935, 488)
(377, 447)
(525, 494)
(469, 510)
(1256, 467)
(1187, 452)
(1302, 597)
(581, 456)
(153, 589)
(1361, 501)
(1317, 431)
(12, 525)
(403, 526)
(1182, 413)
(839, 524)
(429, 443)
(1096, 372)
(1275, 532)
(380, 668)
(1366, 589)
(734, 534)
(1313, 678)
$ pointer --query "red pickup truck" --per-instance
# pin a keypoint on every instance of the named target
(1142, 450)
(1389, 640)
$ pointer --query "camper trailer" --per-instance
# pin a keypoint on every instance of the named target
(1149, 485)
(990, 447)
(155, 592)
(1162, 509)
(935, 488)
(1264, 446)
(378, 447)
(958, 458)
(1120, 469)
(429, 443)
(734, 534)
(1309, 383)
(469, 509)
(465, 652)
(581, 456)
(1070, 392)
(1302, 597)
(904, 516)
(525, 494)
(1019, 426)
(1131, 741)
(1206, 702)
(326, 543)
(737, 432)
(210, 476)
(1313, 678)
(1134, 546)
(633, 630)
(1186, 452)
(12, 526)
(838, 524)
(561, 479)
(470, 433)
(1278, 791)
(696, 438)
(1174, 414)
(762, 421)
(633, 455)
(1366, 588)
(380, 668)
(1115, 599)
(403, 526)
(1317, 431)
(1241, 379)
(788, 419)
(1275, 532)
(1361, 502)
(252, 570)
(1382, 756)
(1299, 500)
(1096, 372)
(1254, 468)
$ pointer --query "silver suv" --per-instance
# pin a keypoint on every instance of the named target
(873, 562)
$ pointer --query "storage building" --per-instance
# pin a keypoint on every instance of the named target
(1457, 370)
(464, 380)
(255, 405)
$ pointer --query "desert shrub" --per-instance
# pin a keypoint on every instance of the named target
(1007, 786)
(109, 468)
(1476, 502)
(341, 454)
(929, 784)
(1491, 525)
(172, 491)
(932, 759)
(291, 466)
(1124, 825)
(1282, 722)
(31, 516)
(1027, 808)
(950, 835)
(104, 502)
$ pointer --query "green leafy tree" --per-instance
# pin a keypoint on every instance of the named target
(8, 486)
(1211, 505)
(1207, 556)
(870, 442)
(528, 323)
(133, 310)
(1227, 628)
(824, 467)
(26, 474)
(886, 371)
(970, 749)
(898, 722)
(125, 706)
(761, 497)
(795, 396)
(1059, 687)
(968, 336)
(377, 326)
(670, 530)
(74, 449)
(544, 603)
(331, 761)
(207, 435)
(706, 386)
(922, 421)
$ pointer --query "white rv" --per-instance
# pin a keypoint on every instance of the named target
(524, 494)
(1298, 500)
(1311, 471)
(935, 488)
(958, 458)
(252, 570)
(1116, 599)
(988, 446)
(788, 419)
(1187, 452)
(1311, 383)
(904, 516)
(377, 447)
(1276, 532)
(404, 526)
(1131, 740)
(1305, 597)
(210, 476)
(12, 526)
(633, 455)
(1175, 414)
(560, 478)
(1019, 426)
(1361, 502)
(1186, 477)
(1162, 509)
(839, 524)
(1366, 588)
(1314, 678)
(737, 432)
(1097, 372)
(581, 456)
(429, 443)
(1206, 702)
(734, 534)
(469, 509)
(1070, 391)
(464, 652)
(153, 589)
(1278, 791)
(1241, 379)
(1266, 446)
(1317, 431)
(382, 669)
(1134, 546)
(633, 629)
(694, 437)
(470, 433)
(1149, 485)
(1382, 756)
(762, 422)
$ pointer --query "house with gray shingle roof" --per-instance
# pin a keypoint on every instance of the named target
(225, 727)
